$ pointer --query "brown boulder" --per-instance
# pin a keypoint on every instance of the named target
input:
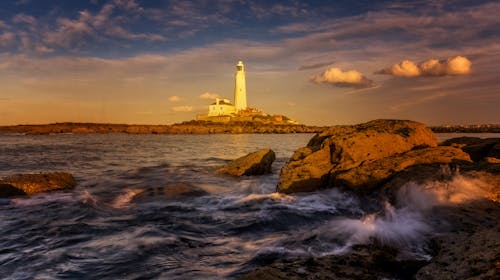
(35, 183)
(477, 148)
(341, 148)
(372, 173)
(255, 163)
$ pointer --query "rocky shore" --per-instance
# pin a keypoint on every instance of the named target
(430, 210)
(444, 197)
(191, 127)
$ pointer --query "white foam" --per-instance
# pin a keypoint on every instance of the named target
(42, 199)
(406, 225)
(259, 198)
(123, 200)
(87, 198)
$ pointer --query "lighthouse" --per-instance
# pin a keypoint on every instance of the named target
(240, 91)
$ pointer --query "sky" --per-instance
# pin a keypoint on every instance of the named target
(318, 62)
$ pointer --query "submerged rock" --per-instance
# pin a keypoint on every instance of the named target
(255, 163)
(176, 191)
(34, 183)
(345, 147)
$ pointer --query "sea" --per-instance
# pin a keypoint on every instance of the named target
(103, 228)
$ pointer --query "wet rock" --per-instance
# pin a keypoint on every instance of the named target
(495, 152)
(370, 261)
(465, 245)
(183, 190)
(7, 190)
(342, 148)
(170, 191)
(477, 148)
(255, 163)
(469, 246)
(34, 183)
(372, 173)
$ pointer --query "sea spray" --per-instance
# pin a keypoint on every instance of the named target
(401, 228)
(459, 189)
(123, 200)
(407, 224)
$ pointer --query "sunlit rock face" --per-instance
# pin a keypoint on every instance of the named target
(256, 163)
(374, 172)
(35, 183)
(342, 148)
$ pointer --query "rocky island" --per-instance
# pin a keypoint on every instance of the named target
(190, 127)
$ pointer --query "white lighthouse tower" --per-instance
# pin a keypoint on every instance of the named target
(240, 91)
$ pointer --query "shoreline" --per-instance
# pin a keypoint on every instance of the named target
(199, 127)
(192, 127)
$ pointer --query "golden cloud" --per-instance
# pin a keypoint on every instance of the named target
(182, 108)
(174, 98)
(209, 95)
(337, 77)
(458, 65)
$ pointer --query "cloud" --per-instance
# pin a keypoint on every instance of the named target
(458, 65)
(6, 39)
(70, 33)
(182, 108)
(315, 65)
(293, 9)
(130, 5)
(337, 77)
(174, 98)
(24, 18)
(112, 20)
(4, 25)
(120, 32)
(23, 2)
(405, 68)
(209, 95)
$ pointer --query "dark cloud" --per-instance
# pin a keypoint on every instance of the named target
(315, 65)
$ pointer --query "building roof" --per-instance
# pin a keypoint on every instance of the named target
(221, 102)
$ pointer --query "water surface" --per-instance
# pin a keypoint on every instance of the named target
(103, 230)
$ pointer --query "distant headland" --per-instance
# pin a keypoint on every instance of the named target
(258, 125)
(265, 125)
(472, 128)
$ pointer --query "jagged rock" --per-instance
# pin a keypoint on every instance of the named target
(35, 183)
(477, 148)
(372, 173)
(255, 163)
(341, 148)
(469, 246)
